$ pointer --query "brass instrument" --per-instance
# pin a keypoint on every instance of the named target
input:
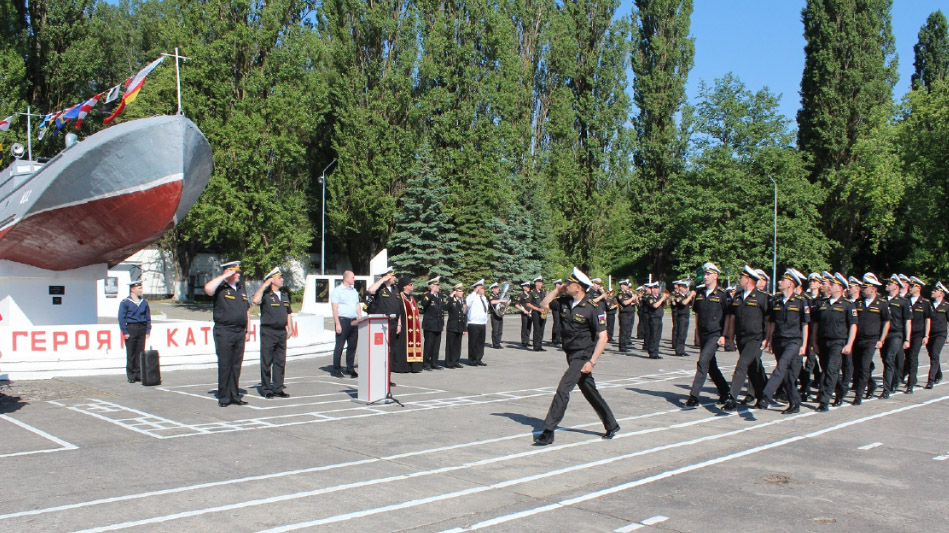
(610, 300)
(501, 307)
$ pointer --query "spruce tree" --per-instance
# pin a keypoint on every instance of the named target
(931, 52)
(424, 241)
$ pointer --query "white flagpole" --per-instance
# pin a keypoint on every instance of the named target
(178, 74)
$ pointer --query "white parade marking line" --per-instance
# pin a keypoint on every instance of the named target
(870, 446)
(626, 529)
(63, 445)
(655, 520)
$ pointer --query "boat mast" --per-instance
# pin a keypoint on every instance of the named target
(29, 134)
(178, 74)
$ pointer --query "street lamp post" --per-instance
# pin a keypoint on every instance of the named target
(774, 257)
(323, 232)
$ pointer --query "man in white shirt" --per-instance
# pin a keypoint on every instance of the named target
(477, 323)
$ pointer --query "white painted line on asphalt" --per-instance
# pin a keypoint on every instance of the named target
(941, 457)
(655, 520)
(63, 445)
(870, 446)
(689, 468)
(626, 529)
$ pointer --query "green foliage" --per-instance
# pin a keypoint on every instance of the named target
(931, 52)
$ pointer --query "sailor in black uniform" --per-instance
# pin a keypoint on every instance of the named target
(873, 326)
(747, 319)
(627, 315)
(709, 304)
(538, 315)
(901, 323)
(433, 322)
(937, 333)
(456, 327)
(835, 329)
(231, 322)
(922, 323)
(520, 303)
(787, 339)
(135, 322)
(275, 327)
(555, 316)
(497, 321)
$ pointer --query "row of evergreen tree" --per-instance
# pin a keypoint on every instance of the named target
(504, 139)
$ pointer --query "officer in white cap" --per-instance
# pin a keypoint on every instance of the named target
(477, 323)
(681, 303)
(521, 304)
(135, 322)
(433, 322)
(555, 316)
(897, 339)
(654, 302)
(937, 333)
(835, 321)
(922, 323)
(584, 339)
(497, 321)
(787, 338)
(276, 324)
(456, 327)
(627, 315)
(748, 312)
(231, 330)
(873, 326)
(710, 305)
(538, 315)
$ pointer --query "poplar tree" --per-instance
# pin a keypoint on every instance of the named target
(931, 52)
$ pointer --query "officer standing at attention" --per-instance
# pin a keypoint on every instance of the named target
(276, 323)
(555, 314)
(709, 304)
(135, 321)
(627, 315)
(584, 339)
(937, 333)
(835, 329)
(477, 306)
(457, 326)
(538, 315)
(654, 303)
(497, 322)
(231, 322)
(747, 319)
(922, 322)
(901, 322)
(521, 304)
(681, 302)
(873, 326)
(433, 322)
(787, 339)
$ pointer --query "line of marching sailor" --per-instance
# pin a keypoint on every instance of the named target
(823, 329)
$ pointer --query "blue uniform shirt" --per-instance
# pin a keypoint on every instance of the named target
(129, 312)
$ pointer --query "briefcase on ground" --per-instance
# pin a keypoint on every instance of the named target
(150, 368)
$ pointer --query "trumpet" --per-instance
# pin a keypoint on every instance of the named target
(501, 307)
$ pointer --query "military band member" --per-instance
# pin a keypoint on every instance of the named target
(873, 326)
(641, 293)
(521, 305)
(497, 321)
(922, 322)
(612, 306)
(627, 315)
(836, 329)
(135, 322)
(555, 314)
(901, 323)
(477, 323)
(538, 315)
(747, 318)
(456, 327)
(937, 333)
(433, 322)
(276, 323)
(655, 309)
(709, 305)
(584, 339)
(787, 339)
(231, 322)
(681, 303)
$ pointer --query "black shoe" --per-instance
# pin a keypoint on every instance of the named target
(692, 401)
(539, 350)
(858, 401)
(731, 405)
(823, 407)
(268, 395)
(223, 404)
(909, 390)
(748, 400)
(282, 394)
(838, 402)
(610, 433)
(763, 403)
(354, 374)
(655, 357)
(793, 408)
(336, 374)
(872, 387)
(428, 368)
(804, 397)
(885, 395)
(482, 363)
(723, 398)
(437, 367)
(473, 364)
(458, 365)
(545, 438)
(239, 402)
(929, 385)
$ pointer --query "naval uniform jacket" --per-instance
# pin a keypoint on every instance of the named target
(834, 320)
(457, 317)
(582, 324)
(230, 306)
(922, 310)
(710, 311)
(790, 317)
(871, 318)
(900, 312)
(275, 309)
(937, 326)
(433, 312)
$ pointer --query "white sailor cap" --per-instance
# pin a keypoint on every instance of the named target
(652, 285)
(940, 287)
(813, 276)
(916, 281)
(710, 267)
(389, 270)
(525, 284)
(904, 278)
(596, 280)
(839, 279)
(641, 287)
(576, 276)
(894, 279)
(730, 289)
(275, 273)
(871, 279)
(700, 286)
(624, 282)
(558, 281)
(435, 281)
(233, 265)
(793, 276)
(479, 282)
(751, 273)
(493, 285)
(458, 287)
(682, 282)
(538, 278)
(136, 283)
(762, 274)
(854, 281)
(799, 274)
(828, 276)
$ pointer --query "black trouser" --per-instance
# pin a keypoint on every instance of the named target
(476, 333)
(846, 374)
(830, 364)
(626, 330)
(349, 336)
(229, 346)
(610, 325)
(525, 329)
(641, 329)
(433, 340)
(811, 368)
(653, 334)
(273, 358)
(134, 346)
(707, 365)
(555, 327)
(571, 378)
(892, 348)
(453, 347)
(863, 350)
(936, 342)
(538, 323)
(788, 352)
(911, 365)
(680, 331)
(497, 328)
(749, 352)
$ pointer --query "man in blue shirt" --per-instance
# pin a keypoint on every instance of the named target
(345, 303)
(135, 321)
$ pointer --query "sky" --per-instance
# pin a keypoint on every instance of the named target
(762, 42)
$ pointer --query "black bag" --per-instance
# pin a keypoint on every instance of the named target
(150, 368)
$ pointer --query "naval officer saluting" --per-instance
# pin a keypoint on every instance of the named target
(276, 323)
(231, 320)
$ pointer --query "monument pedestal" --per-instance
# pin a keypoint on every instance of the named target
(31, 296)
